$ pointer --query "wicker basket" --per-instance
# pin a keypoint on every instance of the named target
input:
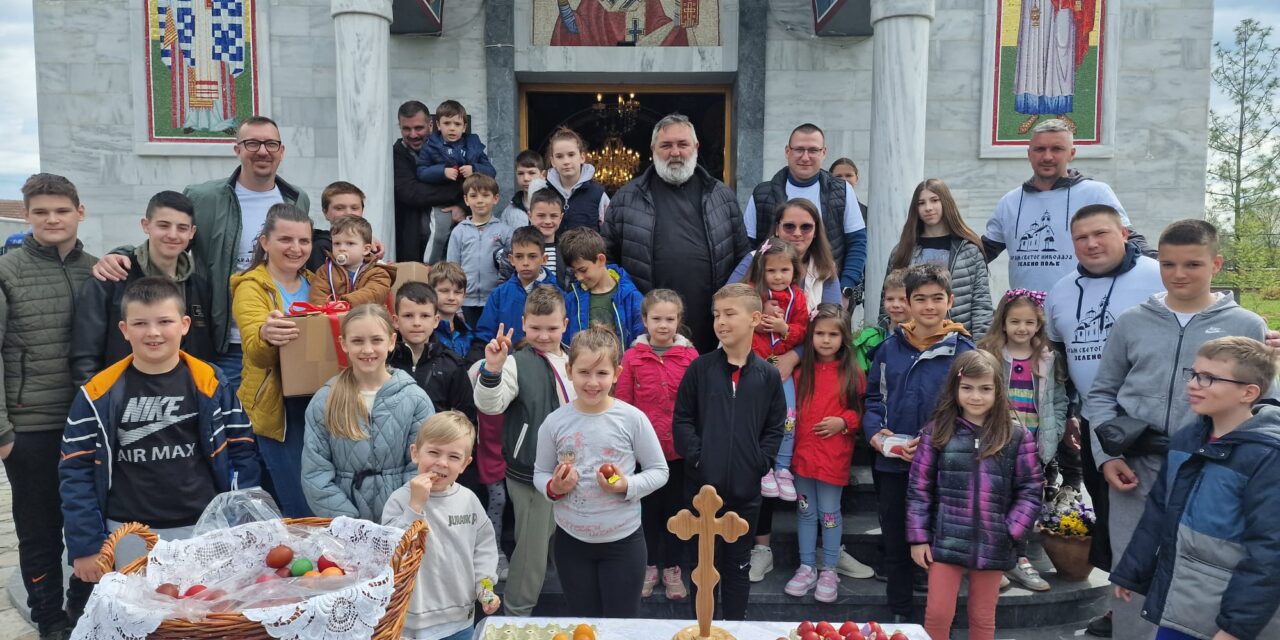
(404, 561)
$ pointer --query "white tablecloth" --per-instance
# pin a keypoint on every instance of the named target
(648, 629)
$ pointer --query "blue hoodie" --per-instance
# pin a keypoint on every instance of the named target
(506, 306)
(628, 322)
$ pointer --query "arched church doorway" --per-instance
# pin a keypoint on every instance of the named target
(617, 121)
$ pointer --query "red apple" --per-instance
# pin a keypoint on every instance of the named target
(193, 590)
(168, 589)
(324, 563)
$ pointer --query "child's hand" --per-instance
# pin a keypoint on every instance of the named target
(489, 602)
(495, 353)
(922, 555)
(377, 249)
(618, 486)
(1124, 594)
(774, 323)
(772, 308)
(451, 173)
(564, 479)
(87, 568)
(909, 449)
(466, 170)
(829, 426)
(420, 490)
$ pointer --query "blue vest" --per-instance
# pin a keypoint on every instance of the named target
(583, 207)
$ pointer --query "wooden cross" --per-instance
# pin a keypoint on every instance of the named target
(706, 526)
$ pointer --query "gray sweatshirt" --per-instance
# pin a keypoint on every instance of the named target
(621, 434)
(473, 247)
(461, 550)
(1141, 370)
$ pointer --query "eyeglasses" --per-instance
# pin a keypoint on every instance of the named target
(1205, 380)
(800, 151)
(805, 228)
(252, 145)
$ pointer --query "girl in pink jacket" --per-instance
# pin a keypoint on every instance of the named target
(651, 373)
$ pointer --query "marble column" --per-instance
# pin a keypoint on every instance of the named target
(500, 89)
(899, 96)
(363, 32)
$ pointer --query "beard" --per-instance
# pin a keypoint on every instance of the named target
(676, 172)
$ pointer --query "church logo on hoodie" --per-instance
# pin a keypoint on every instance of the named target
(1040, 236)
(1095, 324)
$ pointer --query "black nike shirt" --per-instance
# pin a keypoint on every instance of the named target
(160, 476)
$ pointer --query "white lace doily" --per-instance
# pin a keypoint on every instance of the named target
(126, 608)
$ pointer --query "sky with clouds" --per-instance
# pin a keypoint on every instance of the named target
(19, 137)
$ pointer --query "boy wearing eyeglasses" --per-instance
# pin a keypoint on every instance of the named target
(1207, 549)
(1140, 376)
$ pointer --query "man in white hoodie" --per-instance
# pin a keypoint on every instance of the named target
(1033, 221)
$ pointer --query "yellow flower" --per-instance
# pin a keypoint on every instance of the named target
(1072, 525)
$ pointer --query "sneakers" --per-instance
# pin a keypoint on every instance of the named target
(673, 584)
(1100, 627)
(828, 586)
(786, 486)
(1004, 582)
(803, 581)
(769, 485)
(650, 581)
(849, 566)
(1027, 576)
(504, 567)
(761, 562)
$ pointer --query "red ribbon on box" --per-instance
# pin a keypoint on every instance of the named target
(331, 309)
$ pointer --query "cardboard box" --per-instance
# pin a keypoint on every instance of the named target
(309, 361)
(406, 272)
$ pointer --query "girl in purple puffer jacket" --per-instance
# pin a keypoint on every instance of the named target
(974, 491)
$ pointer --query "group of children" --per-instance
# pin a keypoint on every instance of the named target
(599, 443)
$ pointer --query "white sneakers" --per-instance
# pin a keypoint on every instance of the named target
(761, 562)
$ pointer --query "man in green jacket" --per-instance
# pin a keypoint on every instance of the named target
(38, 283)
(229, 215)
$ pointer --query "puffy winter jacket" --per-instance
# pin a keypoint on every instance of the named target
(1207, 550)
(342, 477)
(441, 373)
(728, 433)
(971, 510)
(583, 203)
(372, 286)
(506, 306)
(629, 222)
(437, 155)
(37, 307)
(970, 283)
(261, 392)
(628, 322)
(217, 242)
(903, 386)
(89, 445)
(96, 341)
(650, 381)
(767, 196)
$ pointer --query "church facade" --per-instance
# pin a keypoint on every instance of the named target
(142, 95)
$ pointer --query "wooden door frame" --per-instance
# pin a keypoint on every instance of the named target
(726, 90)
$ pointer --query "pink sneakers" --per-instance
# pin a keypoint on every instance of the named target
(769, 486)
(786, 485)
(673, 584)
(650, 580)
(828, 586)
(800, 584)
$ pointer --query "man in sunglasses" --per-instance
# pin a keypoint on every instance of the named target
(1141, 374)
(230, 213)
(805, 178)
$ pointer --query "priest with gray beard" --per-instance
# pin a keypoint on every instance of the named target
(676, 227)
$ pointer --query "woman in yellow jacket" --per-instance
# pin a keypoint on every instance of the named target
(261, 295)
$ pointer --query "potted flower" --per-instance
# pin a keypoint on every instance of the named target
(1066, 535)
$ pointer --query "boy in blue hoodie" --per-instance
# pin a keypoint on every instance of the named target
(1147, 348)
(152, 438)
(506, 303)
(601, 293)
(909, 370)
(1207, 550)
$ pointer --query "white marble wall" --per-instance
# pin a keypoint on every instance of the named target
(1158, 168)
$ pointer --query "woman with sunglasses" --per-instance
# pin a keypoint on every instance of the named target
(935, 232)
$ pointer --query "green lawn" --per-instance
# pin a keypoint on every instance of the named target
(1268, 309)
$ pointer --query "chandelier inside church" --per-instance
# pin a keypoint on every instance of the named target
(615, 163)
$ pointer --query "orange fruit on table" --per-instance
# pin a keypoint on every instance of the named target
(584, 632)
